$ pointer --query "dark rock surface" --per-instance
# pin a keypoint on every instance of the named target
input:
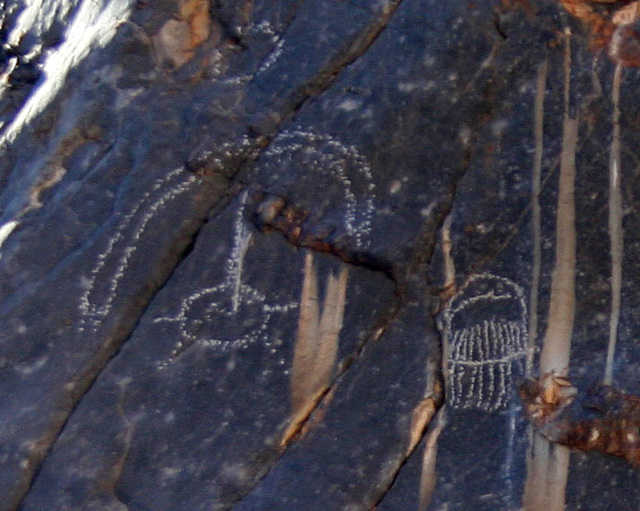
(290, 254)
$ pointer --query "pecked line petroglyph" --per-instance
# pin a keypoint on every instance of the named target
(103, 284)
(209, 316)
(486, 331)
(329, 163)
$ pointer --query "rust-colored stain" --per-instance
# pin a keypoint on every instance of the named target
(613, 24)
(422, 416)
(605, 420)
(196, 14)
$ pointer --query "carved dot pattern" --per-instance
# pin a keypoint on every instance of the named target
(486, 331)
(332, 166)
(230, 315)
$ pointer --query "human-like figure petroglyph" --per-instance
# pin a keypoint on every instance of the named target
(228, 315)
(330, 165)
(105, 278)
(486, 334)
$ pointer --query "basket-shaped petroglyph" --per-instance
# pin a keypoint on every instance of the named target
(485, 331)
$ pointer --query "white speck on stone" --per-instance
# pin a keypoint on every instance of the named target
(20, 328)
(424, 85)
(169, 472)
(465, 135)
(426, 212)
(395, 186)
(349, 105)
(600, 317)
(29, 369)
(499, 126)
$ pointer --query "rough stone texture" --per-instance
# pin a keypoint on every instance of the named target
(245, 246)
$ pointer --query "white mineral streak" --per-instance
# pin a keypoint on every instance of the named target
(5, 231)
(38, 17)
(93, 25)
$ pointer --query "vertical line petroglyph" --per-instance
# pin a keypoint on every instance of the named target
(316, 347)
(616, 235)
(538, 129)
(548, 464)
(242, 241)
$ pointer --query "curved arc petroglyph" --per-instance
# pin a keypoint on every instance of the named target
(123, 244)
(331, 155)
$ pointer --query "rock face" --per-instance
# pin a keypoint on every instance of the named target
(290, 254)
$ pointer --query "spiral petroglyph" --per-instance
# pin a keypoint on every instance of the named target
(486, 333)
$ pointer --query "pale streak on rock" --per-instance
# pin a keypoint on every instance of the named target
(538, 129)
(548, 464)
(616, 235)
(316, 345)
(429, 475)
(557, 341)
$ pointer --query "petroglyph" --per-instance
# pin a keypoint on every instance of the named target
(262, 30)
(330, 165)
(229, 315)
(105, 279)
(486, 333)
